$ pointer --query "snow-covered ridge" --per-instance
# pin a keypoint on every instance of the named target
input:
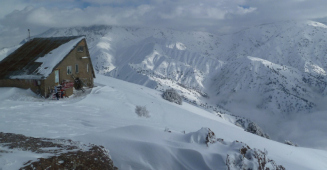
(276, 88)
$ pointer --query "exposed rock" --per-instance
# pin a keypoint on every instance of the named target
(248, 158)
(240, 155)
(64, 154)
(172, 96)
(287, 142)
(255, 129)
(95, 158)
(251, 127)
(211, 137)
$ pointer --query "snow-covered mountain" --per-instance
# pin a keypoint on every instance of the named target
(283, 63)
(274, 69)
(286, 68)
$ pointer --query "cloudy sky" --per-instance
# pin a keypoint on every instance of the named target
(216, 16)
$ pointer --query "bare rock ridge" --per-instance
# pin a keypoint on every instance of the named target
(240, 155)
(61, 153)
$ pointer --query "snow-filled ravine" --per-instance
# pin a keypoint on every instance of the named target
(173, 137)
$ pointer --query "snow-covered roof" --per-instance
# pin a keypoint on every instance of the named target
(37, 58)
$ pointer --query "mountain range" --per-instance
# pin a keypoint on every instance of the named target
(273, 75)
(281, 66)
(276, 69)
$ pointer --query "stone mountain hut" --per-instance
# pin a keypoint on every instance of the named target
(43, 63)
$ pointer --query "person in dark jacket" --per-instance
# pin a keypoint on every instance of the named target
(56, 92)
(61, 92)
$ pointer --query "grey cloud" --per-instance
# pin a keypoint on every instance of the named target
(217, 16)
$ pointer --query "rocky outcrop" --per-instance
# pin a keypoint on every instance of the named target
(64, 154)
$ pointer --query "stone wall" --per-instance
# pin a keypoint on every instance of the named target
(34, 85)
(77, 56)
(84, 72)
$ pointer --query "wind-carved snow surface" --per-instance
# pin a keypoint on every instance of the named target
(195, 139)
(271, 73)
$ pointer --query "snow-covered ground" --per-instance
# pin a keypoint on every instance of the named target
(106, 116)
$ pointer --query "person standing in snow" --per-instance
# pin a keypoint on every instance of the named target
(61, 92)
(56, 92)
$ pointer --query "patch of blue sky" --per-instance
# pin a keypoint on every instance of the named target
(245, 6)
(83, 4)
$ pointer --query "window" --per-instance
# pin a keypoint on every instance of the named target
(80, 49)
(76, 68)
(87, 67)
(69, 70)
(56, 76)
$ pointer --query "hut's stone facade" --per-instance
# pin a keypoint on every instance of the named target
(75, 64)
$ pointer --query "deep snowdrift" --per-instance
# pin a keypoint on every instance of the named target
(106, 117)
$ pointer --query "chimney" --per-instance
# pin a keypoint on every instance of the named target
(29, 34)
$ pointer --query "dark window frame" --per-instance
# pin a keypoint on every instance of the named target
(76, 68)
(80, 49)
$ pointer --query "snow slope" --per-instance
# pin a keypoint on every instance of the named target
(106, 116)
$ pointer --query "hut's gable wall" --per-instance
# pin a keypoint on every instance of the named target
(78, 60)
(78, 56)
